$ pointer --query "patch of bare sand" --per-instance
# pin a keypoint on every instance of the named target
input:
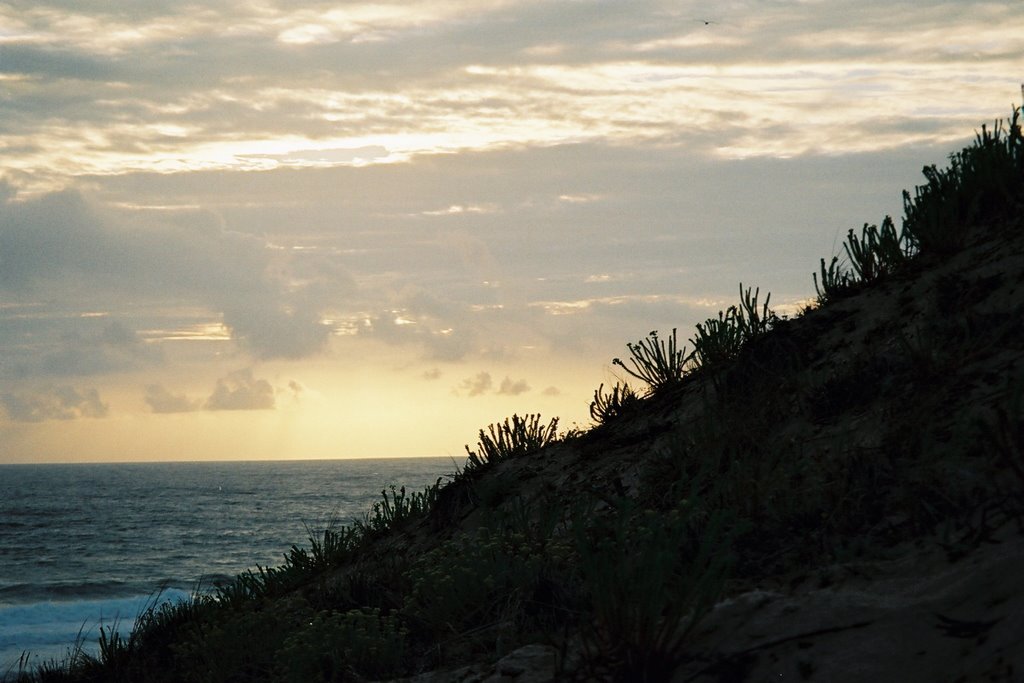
(915, 618)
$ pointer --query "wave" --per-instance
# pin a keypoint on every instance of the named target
(72, 562)
(50, 629)
(58, 590)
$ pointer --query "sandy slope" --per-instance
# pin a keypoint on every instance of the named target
(935, 349)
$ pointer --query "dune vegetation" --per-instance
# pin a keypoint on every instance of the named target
(764, 455)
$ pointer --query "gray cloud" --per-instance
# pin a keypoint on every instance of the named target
(632, 236)
(277, 332)
(483, 383)
(7, 191)
(644, 208)
(508, 387)
(160, 400)
(61, 246)
(477, 385)
(111, 348)
(55, 403)
(417, 317)
(436, 343)
(571, 33)
(241, 390)
(52, 343)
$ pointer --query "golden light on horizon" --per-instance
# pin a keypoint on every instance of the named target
(372, 228)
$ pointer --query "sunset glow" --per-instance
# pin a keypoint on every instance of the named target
(268, 230)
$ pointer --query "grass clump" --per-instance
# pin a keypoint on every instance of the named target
(984, 182)
(649, 577)
(1001, 435)
(662, 363)
(877, 252)
(394, 509)
(480, 589)
(338, 646)
(719, 340)
(620, 401)
(656, 362)
(510, 439)
(835, 281)
(334, 546)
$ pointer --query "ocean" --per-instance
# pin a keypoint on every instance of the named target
(93, 544)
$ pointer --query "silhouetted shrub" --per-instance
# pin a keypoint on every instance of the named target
(984, 182)
(505, 440)
(655, 361)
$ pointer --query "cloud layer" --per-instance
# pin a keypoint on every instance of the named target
(373, 196)
(185, 87)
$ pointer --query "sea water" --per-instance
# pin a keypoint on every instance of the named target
(91, 545)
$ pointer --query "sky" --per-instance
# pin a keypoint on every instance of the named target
(285, 230)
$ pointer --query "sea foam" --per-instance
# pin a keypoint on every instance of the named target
(45, 629)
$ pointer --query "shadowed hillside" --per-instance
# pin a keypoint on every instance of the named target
(834, 497)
